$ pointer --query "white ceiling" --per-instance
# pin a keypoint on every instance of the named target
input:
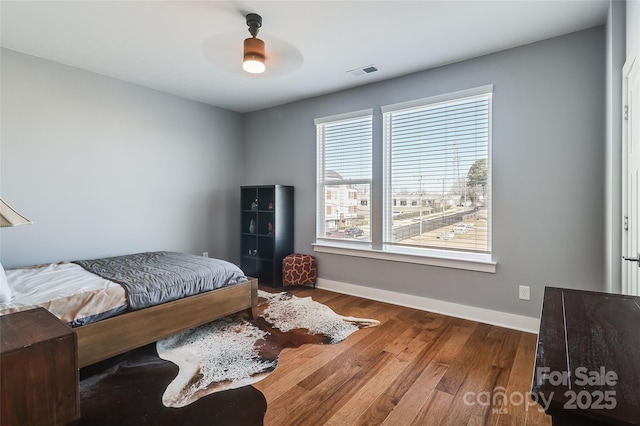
(193, 49)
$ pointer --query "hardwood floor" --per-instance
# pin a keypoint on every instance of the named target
(415, 368)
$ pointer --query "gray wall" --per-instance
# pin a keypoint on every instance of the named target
(548, 171)
(105, 167)
(633, 26)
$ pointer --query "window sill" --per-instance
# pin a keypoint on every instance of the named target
(469, 262)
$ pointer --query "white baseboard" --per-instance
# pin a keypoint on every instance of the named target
(488, 316)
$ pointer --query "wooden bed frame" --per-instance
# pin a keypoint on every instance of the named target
(113, 336)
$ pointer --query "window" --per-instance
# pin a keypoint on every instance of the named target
(432, 176)
(437, 156)
(344, 172)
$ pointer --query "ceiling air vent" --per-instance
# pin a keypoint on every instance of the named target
(364, 70)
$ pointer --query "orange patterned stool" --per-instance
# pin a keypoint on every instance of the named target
(299, 269)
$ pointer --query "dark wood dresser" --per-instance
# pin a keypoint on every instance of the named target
(587, 369)
(38, 370)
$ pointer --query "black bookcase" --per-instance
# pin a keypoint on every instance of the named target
(266, 231)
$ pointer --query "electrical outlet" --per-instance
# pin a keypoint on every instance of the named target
(524, 292)
(205, 254)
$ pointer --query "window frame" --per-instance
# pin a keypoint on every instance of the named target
(481, 262)
(321, 182)
(452, 97)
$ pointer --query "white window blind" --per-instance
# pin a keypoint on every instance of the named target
(344, 153)
(438, 165)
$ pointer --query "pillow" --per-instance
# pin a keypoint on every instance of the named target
(5, 290)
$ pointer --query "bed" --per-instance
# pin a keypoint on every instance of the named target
(112, 310)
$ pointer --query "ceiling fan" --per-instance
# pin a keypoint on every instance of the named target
(254, 47)
(269, 57)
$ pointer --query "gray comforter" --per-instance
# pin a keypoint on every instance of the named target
(157, 277)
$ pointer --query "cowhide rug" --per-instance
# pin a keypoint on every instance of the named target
(233, 352)
(127, 390)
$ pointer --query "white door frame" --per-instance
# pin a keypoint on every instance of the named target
(630, 212)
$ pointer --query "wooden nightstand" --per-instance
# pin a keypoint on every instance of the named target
(38, 370)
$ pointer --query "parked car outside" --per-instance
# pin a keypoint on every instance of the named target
(354, 232)
(460, 229)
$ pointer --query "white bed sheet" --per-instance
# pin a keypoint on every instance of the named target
(65, 289)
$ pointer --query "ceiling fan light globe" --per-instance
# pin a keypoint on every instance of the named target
(253, 65)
